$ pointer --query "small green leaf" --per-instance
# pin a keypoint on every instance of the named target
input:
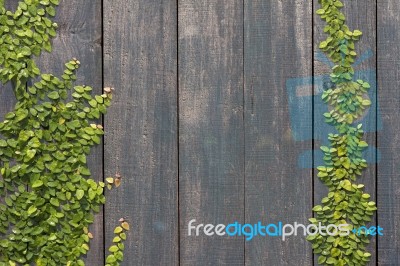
(323, 45)
(111, 259)
(118, 230)
(347, 185)
(331, 261)
(37, 183)
(32, 209)
(335, 252)
(357, 33)
(55, 202)
(366, 102)
(53, 95)
(125, 226)
(317, 208)
(79, 194)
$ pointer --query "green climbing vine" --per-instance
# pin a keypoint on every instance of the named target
(48, 199)
(346, 202)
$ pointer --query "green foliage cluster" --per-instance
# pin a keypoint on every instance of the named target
(25, 32)
(116, 250)
(48, 199)
(346, 202)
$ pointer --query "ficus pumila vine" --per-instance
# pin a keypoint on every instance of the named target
(346, 202)
(48, 199)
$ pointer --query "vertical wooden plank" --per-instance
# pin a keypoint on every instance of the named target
(141, 127)
(278, 69)
(7, 97)
(211, 137)
(79, 35)
(389, 138)
(7, 100)
(360, 14)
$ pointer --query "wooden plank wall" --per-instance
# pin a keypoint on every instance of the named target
(216, 118)
(278, 47)
(140, 61)
(211, 127)
(7, 99)
(388, 30)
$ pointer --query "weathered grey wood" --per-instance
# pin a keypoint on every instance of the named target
(7, 100)
(278, 53)
(360, 14)
(79, 35)
(241, 157)
(389, 138)
(211, 128)
(140, 54)
(7, 97)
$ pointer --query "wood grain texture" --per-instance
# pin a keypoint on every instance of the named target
(7, 97)
(389, 138)
(7, 100)
(241, 73)
(140, 61)
(278, 53)
(79, 35)
(360, 14)
(211, 136)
